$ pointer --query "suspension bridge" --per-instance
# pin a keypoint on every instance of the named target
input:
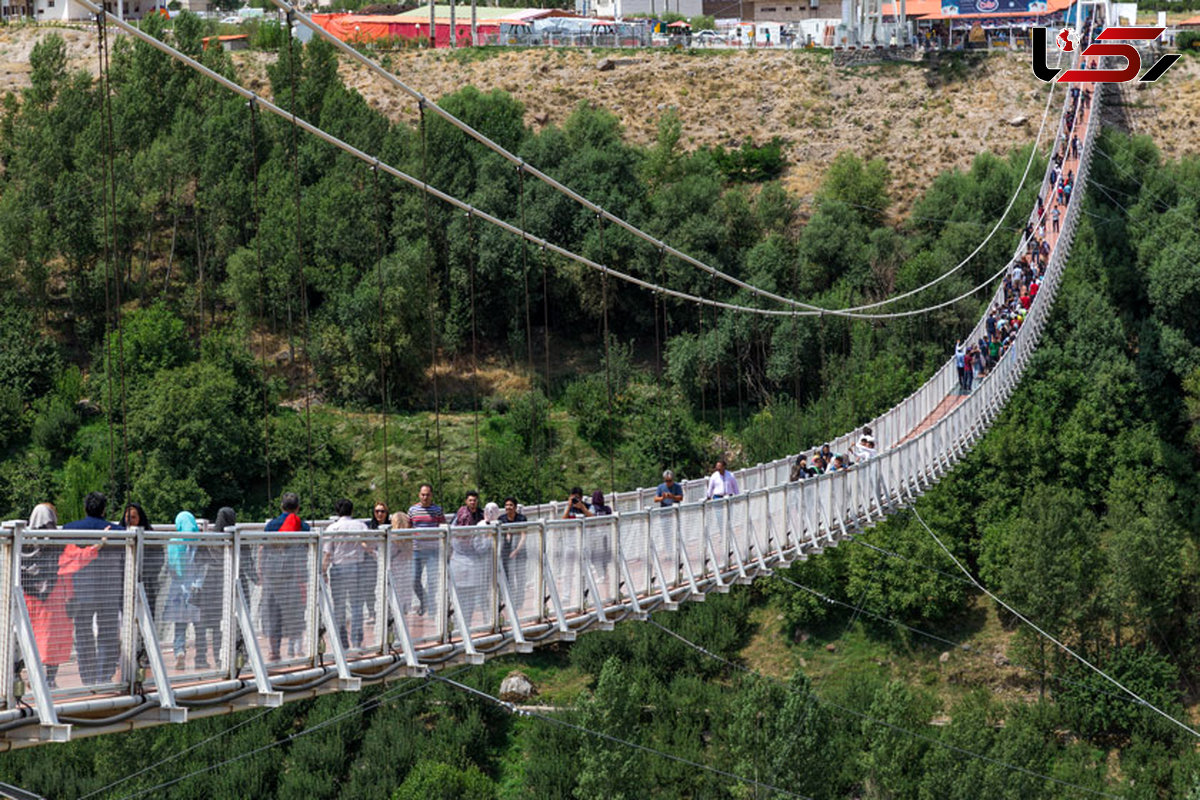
(273, 627)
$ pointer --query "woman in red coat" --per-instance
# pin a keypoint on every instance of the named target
(46, 572)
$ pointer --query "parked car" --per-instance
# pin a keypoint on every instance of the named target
(708, 37)
(231, 20)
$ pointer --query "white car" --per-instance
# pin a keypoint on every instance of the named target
(233, 20)
(708, 37)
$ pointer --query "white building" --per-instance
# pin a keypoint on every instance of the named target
(625, 8)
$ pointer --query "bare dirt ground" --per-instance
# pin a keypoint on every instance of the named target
(918, 122)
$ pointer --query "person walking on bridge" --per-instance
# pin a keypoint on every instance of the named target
(721, 483)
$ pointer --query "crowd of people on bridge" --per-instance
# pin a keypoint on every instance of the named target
(1004, 319)
(74, 592)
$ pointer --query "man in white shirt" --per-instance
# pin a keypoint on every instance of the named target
(721, 483)
(345, 562)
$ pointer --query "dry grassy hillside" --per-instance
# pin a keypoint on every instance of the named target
(919, 121)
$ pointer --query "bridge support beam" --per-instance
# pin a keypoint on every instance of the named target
(267, 696)
(564, 631)
(602, 621)
(168, 709)
(414, 668)
(346, 682)
(627, 576)
(472, 655)
(49, 728)
(509, 609)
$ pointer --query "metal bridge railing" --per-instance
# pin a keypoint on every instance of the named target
(149, 627)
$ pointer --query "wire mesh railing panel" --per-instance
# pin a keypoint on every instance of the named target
(73, 585)
(738, 529)
(600, 544)
(564, 539)
(284, 605)
(691, 534)
(758, 530)
(776, 537)
(472, 568)
(715, 525)
(350, 569)
(635, 547)
(81, 625)
(424, 554)
(663, 533)
(520, 552)
(194, 602)
(627, 501)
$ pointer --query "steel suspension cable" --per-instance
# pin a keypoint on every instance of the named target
(117, 272)
(1047, 636)
(496, 221)
(612, 456)
(933, 637)
(104, 186)
(292, 46)
(594, 207)
(875, 721)
(471, 246)
(384, 352)
(545, 318)
(262, 292)
(534, 402)
(429, 298)
(525, 712)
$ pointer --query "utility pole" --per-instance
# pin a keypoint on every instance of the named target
(432, 26)
(474, 26)
(453, 28)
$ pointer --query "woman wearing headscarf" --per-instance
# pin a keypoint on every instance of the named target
(471, 565)
(187, 581)
(152, 555)
(46, 594)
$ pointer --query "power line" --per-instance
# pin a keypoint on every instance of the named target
(1059, 644)
(868, 718)
(365, 705)
(164, 761)
(616, 739)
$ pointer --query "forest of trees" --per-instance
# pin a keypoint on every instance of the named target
(1079, 507)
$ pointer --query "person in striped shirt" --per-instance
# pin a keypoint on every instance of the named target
(426, 514)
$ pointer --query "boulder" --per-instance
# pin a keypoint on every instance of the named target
(944, 657)
(606, 64)
(1017, 122)
(516, 688)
